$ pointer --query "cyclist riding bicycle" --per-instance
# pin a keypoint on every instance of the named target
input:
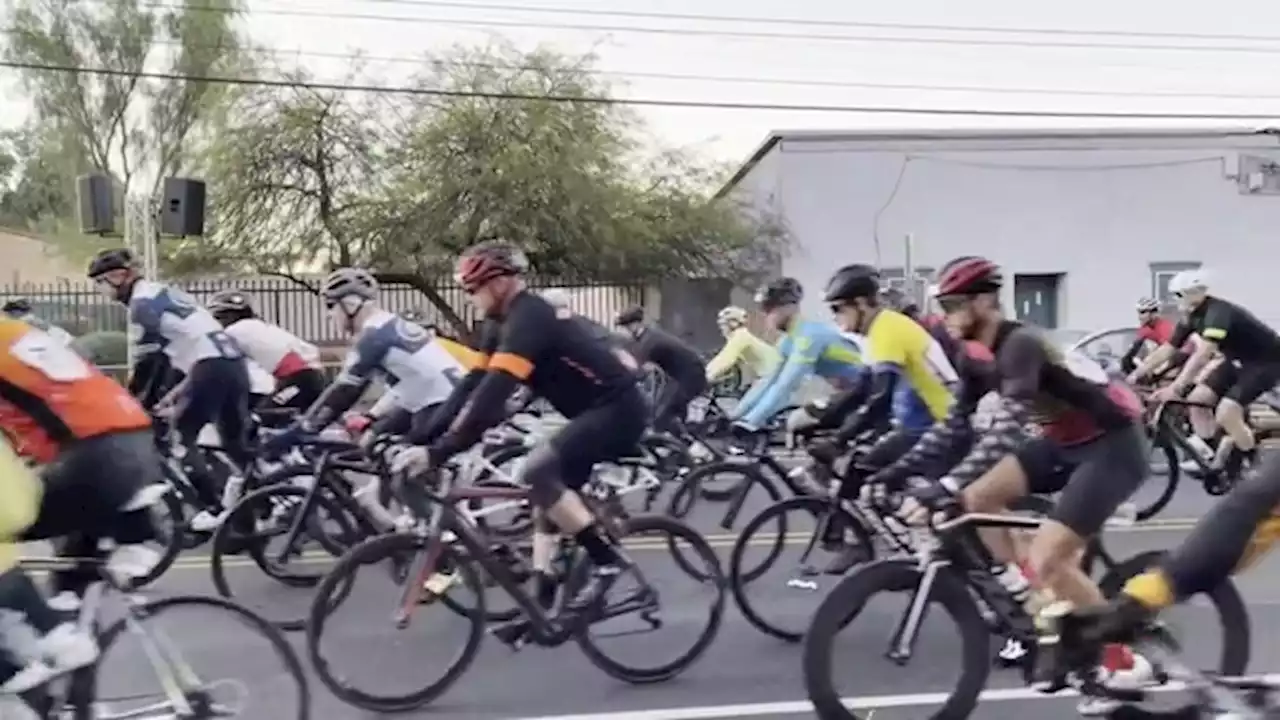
(19, 308)
(1251, 367)
(215, 385)
(741, 347)
(1086, 446)
(292, 361)
(580, 376)
(422, 374)
(807, 348)
(683, 366)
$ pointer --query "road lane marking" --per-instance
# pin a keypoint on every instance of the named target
(804, 707)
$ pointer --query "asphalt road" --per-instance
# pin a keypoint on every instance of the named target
(743, 674)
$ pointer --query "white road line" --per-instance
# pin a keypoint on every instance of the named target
(803, 707)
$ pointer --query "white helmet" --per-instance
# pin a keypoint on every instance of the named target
(1147, 304)
(732, 316)
(558, 298)
(1189, 280)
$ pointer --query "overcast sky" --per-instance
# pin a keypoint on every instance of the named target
(1056, 70)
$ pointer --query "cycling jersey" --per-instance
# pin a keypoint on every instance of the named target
(167, 319)
(1239, 335)
(50, 396)
(807, 348)
(896, 343)
(680, 362)
(742, 346)
(421, 371)
(274, 349)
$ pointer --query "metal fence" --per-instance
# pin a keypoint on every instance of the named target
(81, 309)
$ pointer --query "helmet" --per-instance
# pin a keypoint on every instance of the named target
(969, 275)
(853, 281)
(1146, 304)
(558, 298)
(348, 281)
(631, 315)
(732, 315)
(230, 301)
(111, 259)
(487, 260)
(1189, 280)
(17, 306)
(783, 291)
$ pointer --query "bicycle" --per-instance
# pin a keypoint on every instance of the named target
(446, 545)
(954, 571)
(184, 694)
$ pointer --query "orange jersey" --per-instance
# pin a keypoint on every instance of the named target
(50, 396)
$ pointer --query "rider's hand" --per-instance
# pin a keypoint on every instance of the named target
(409, 460)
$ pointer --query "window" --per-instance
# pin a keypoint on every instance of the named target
(1161, 274)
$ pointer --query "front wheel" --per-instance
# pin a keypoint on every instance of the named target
(847, 600)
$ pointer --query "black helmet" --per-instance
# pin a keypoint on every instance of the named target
(17, 306)
(111, 259)
(230, 302)
(783, 291)
(853, 281)
(633, 314)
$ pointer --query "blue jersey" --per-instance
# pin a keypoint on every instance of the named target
(420, 370)
(808, 348)
(164, 318)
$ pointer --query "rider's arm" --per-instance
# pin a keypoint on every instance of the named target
(358, 372)
(729, 355)
(799, 365)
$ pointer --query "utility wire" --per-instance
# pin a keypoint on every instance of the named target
(636, 102)
(700, 32)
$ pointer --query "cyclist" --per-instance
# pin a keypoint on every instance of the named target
(683, 366)
(908, 389)
(807, 348)
(741, 347)
(19, 308)
(215, 386)
(421, 372)
(94, 443)
(1251, 366)
(580, 376)
(1087, 447)
(293, 362)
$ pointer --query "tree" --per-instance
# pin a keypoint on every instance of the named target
(123, 123)
(305, 179)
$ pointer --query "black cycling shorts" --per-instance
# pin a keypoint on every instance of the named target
(600, 434)
(1094, 478)
(1243, 384)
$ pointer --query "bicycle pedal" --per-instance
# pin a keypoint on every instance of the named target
(514, 634)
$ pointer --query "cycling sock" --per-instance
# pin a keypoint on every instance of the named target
(598, 546)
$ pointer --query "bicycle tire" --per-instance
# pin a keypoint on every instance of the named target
(225, 538)
(1237, 642)
(256, 622)
(739, 580)
(847, 599)
(1161, 443)
(674, 530)
(174, 544)
(372, 551)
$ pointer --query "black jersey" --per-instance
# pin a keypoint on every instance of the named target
(562, 359)
(1238, 333)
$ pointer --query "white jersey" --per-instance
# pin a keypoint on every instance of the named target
(420, 370)
(274, 349)
(166, 318)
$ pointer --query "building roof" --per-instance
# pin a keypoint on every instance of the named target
(872, 135)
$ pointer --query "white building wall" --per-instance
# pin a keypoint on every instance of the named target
(1100, 210)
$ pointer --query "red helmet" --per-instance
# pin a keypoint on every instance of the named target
(969, 275)
(487, 260)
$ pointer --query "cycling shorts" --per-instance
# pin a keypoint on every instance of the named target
(1243, 384)
(1093, 478)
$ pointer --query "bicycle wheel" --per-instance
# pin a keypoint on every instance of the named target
(740, 576)
(396, 550)
(1233, 615)
(234, 653)
(848, 598)
(675, 533)
(264, 515)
